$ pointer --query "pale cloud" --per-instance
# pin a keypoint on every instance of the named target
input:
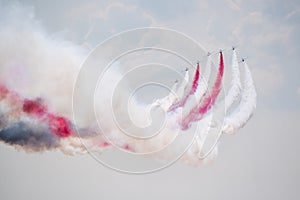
(268, 31)
(282, 35)
(103, 20)
(233, 5)
(293, 13)
(93, 11)
(298, 91)
(127, 8)
(261, 30)
(267, 79)
(255, 18)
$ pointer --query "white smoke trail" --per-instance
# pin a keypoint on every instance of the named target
(235, 84)
(167, 101)
(193, 155)
(181, 88)
(231, 96)
(239, 117)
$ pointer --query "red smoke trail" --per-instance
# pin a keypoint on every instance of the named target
(196, 79)
(209, 100)
(3, 90)
(192, 91)
(58, 125)
(34, 107)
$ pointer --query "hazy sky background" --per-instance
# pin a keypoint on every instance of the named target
(260, 162)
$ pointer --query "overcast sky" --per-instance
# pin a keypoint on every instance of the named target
(260, 162)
